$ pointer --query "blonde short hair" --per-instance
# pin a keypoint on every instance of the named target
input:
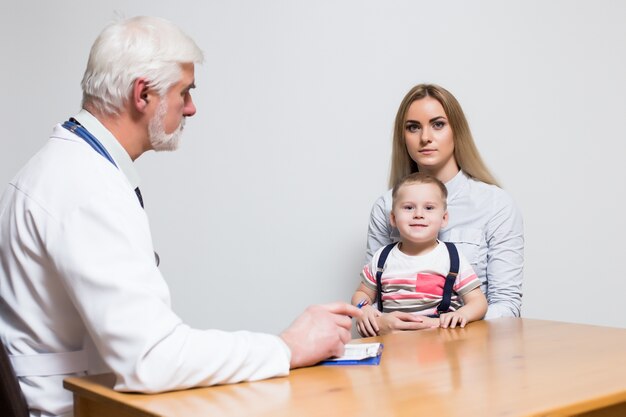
(420, 178)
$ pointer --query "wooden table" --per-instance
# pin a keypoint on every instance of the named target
(504, 367)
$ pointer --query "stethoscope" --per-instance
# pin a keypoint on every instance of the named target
(76, 128)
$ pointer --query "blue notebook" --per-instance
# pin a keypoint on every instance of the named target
(358, 354)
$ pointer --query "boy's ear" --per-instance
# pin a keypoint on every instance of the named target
(392, 219)
(444, 223)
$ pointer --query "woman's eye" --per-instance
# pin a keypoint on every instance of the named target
(412, 127)
(439, 124)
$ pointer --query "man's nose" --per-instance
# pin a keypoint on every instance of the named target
(190, 108)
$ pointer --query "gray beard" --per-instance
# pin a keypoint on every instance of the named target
(159, 140)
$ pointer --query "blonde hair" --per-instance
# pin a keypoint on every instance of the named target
(420, 178)
(465, 151)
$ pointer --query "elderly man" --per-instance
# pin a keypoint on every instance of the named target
(80, 290)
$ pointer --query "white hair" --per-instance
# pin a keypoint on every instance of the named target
(142, 46)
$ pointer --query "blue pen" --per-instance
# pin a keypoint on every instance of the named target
(361, 304)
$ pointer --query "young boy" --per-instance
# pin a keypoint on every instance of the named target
(416, 268)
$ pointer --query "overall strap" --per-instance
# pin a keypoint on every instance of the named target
(444, 306)
(380, 266)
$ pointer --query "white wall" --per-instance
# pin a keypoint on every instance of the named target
(264, 209)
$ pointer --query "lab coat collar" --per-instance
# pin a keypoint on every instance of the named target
(113, 147)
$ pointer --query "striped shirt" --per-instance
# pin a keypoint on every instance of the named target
(415, 283)
(485, 224)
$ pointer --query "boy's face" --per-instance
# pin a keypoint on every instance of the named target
(419, 213)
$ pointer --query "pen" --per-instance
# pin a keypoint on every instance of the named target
(361, 304)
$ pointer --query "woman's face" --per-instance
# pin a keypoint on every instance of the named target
(429, 138)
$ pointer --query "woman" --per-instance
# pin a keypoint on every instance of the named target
(432, 135)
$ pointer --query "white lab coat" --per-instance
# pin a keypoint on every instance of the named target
(77, 269)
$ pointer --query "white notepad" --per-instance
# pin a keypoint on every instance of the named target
(358, 354)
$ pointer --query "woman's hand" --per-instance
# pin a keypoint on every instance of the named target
(397, 321)
(367, 325)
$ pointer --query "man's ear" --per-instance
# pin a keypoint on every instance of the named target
(140, 94)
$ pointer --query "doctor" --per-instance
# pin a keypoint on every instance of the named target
(80, 290)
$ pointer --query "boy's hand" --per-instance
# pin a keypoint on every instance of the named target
(367, 324)
(452, 319)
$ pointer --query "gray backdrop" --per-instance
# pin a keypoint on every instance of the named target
(264, 209)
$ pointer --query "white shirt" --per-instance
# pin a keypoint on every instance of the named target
(77, 270)
(487, 228)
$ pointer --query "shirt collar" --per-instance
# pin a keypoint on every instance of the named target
(456, 184)
(110, 143)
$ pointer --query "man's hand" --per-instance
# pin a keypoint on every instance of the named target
(319, 333)
(391, 322)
